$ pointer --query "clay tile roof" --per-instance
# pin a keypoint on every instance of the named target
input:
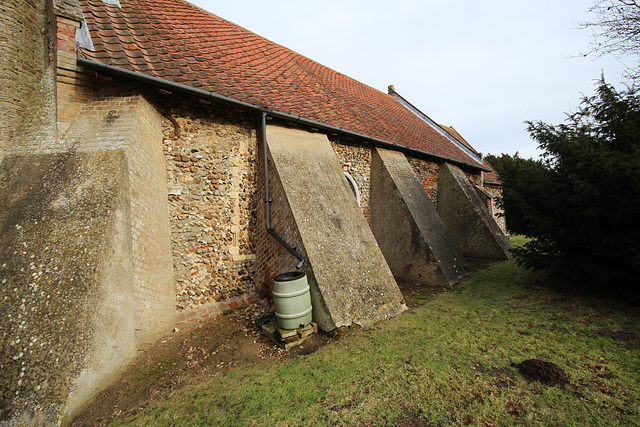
(179, 42)
(457, 136)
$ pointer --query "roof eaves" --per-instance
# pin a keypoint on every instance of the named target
(215, 97)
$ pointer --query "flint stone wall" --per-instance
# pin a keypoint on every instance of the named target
(210, 156)
(427, 173)
(356, 161)
(495, 191)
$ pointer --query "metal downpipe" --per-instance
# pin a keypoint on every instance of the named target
(267, 200)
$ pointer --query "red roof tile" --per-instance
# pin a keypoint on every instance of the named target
(454, 133)
(179, 42)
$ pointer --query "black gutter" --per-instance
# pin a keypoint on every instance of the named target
(172, 86)
(267, 216)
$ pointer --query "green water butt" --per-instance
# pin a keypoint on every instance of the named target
(292, 300)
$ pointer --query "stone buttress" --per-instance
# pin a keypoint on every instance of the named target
(406, 224)
(349, 278)
(85, 258)
(468, 218)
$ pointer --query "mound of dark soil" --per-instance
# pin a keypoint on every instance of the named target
(542, 371)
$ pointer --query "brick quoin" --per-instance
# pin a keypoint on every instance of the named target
(24, 57)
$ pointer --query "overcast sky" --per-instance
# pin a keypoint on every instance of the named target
(483, 67)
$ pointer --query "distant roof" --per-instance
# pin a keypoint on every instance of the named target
(454, 133)
(176, 41)
(491, 177)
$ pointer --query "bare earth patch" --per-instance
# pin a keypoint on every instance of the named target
(188, 357)
(411, 420)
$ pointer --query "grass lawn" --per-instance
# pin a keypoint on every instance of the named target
(518, 240)
(449, 361)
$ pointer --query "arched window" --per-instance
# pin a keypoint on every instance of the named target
(353, 186)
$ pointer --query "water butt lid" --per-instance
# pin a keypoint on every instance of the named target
(286, 277)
